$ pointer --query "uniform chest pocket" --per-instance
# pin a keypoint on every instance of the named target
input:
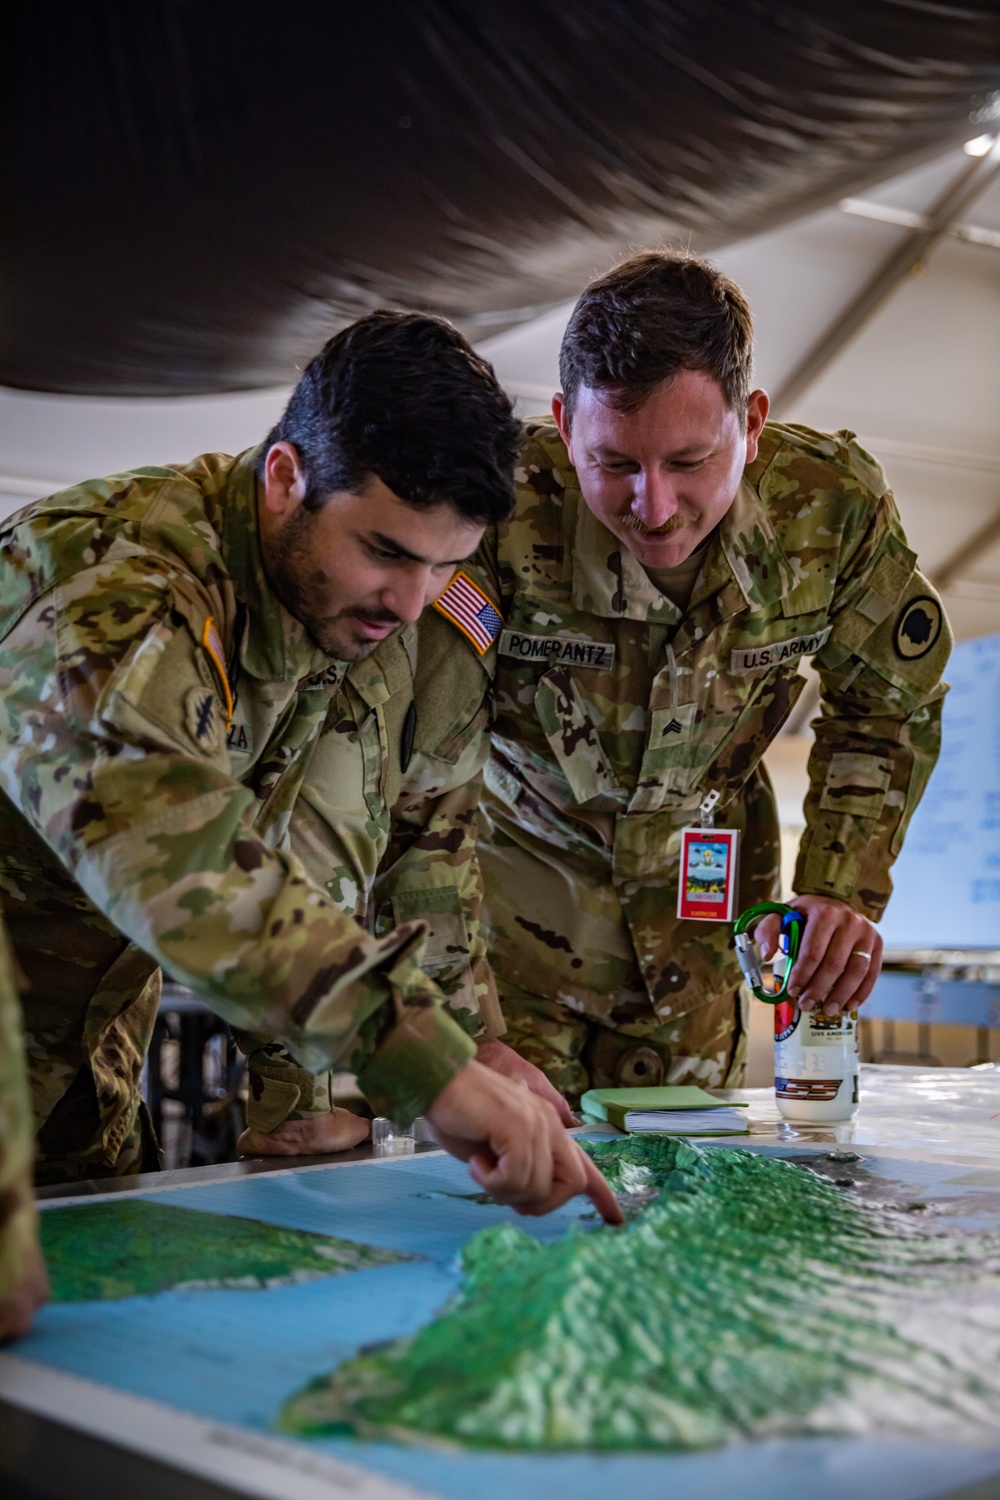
(715, 742)
(461, 757)
(735, 745)
(332, 827)
(567, 724)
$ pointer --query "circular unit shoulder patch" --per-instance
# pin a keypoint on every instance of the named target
(917, 628)
(204, 720)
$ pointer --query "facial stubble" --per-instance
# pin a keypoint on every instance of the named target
(290, 567)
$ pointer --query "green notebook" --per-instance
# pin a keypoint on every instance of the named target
(673, 1109)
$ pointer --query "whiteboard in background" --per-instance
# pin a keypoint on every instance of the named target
(947, 878)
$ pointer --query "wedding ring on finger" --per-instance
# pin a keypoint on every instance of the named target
(859, 953)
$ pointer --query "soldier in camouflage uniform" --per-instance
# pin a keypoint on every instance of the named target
(23, 1285)
(426, 869)
(410, 843)
(177, 646)
(670, 561)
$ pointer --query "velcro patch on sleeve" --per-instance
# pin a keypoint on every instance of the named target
(892, 573)
(465, 605)
(874, 607)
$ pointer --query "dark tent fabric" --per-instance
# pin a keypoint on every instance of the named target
(206, 189)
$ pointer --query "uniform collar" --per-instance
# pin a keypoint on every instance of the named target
(275, 647)
(746, 549)
(609, 581)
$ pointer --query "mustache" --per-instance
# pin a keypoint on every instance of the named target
(632, 523)
(376, 616)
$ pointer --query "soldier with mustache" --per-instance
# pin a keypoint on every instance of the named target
(672, 557)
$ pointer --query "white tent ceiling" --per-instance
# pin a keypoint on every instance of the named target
(920, 381)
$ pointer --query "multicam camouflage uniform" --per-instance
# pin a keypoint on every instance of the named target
(616, 714)
(418, 865)
(17, 1201)
(160, 713)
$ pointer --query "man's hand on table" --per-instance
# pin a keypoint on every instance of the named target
(316, 1135)
(515, 1146)
(840, 955)
(504, 1060)
(19, 1305)
(498, 1118)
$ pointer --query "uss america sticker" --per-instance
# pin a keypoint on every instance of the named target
(774, 653)
(555, 649)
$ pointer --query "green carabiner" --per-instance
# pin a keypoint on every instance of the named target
(792, 923)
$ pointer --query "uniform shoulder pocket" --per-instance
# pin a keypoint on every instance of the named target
(906, 646)
(451, 693)
(856, 783)
(165, 689)
(873, 599)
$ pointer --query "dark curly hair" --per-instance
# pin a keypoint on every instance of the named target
(657, 313)
(404, 397)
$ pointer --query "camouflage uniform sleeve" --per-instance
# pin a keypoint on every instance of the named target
(431, 871)
(437, 737)
(430, 874)
(18, 1223)
(879, 733)
(102, 687)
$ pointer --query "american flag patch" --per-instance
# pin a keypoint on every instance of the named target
(467, 606)
(212, 642)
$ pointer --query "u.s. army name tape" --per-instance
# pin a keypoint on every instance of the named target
(773, 653)
(570, 649)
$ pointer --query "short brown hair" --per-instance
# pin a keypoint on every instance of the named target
(657, 313)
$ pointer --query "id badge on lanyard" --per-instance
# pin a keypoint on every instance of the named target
(708, 874)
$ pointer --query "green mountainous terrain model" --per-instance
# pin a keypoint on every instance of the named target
(104, 1251)
(745, 1296)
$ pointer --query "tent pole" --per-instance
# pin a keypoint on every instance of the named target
(970, 183)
